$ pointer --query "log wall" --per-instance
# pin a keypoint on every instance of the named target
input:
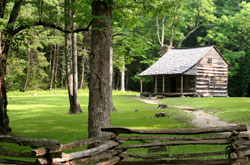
(206, 73)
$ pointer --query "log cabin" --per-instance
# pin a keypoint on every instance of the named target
(188, 72)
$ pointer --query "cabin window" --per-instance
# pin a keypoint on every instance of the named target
(211, 81)
(209, 60)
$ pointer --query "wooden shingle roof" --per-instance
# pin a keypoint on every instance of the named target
(176, 61)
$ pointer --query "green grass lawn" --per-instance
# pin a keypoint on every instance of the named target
(231, 109)
(44, 115)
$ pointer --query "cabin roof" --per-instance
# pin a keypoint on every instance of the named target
(176, 61)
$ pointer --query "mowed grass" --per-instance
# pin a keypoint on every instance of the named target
(44, 115)
(231, 109)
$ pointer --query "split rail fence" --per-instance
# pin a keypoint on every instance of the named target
(116, 149)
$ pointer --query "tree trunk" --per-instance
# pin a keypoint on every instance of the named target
(4, 118)
(76, 108)
(28, 71)
(111, 75)
(123, 75)
(56, 66)
(50, 58)
(99, 85)
(171, 42)
(69, 75)
(85, 34)
(82, 73)
(62, 73)
(53, 68)
(161, 38)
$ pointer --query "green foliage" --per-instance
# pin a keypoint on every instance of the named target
(231, 35)
(224, 23)
(27, 43)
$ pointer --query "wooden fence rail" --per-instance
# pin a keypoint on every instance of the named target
(116, 149)
(232, 138)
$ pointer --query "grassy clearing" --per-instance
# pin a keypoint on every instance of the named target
(231, 109)
(44, 115)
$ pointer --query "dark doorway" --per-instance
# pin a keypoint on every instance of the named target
(173, 84)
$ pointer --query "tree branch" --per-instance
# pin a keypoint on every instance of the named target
(162, 30)
(46, 24)
(172, 31)
(197, 25)
(158, 31)
(14, 13)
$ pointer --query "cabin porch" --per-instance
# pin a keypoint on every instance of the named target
(170, 86)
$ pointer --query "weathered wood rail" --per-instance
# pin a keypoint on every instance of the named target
(235, 142)
(116, 149)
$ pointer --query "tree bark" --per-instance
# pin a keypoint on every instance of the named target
(50, 58)
(85, 34)
(171, 42)
(82, 72)
(68, 57)
(4, 119)
(28, 71)
(99, 85)
(76, 108)
(123, 75)
(161, 38)
(111, 75)
(56, 66)
(53, 68)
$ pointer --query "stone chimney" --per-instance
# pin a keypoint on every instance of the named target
(165, 49)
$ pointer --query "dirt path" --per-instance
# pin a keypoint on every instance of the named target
(201, 119)
(149, 101)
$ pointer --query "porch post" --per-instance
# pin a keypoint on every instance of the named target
(182, 84)
(163, 84)
(141, 86)
(155, 84)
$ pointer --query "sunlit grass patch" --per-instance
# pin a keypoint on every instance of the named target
(232, 109)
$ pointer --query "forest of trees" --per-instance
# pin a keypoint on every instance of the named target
(55, 44)
(36, 58)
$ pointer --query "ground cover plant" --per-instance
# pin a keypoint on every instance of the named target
(230, 109)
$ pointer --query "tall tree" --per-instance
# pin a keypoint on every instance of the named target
(99, 85)
(12, 21)
(28, 70)
(53, 67)
(4, 119)
(71, 60)
(56, 66)
(67, 53)
(85, 41)
(76, 108)
(123, 75)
